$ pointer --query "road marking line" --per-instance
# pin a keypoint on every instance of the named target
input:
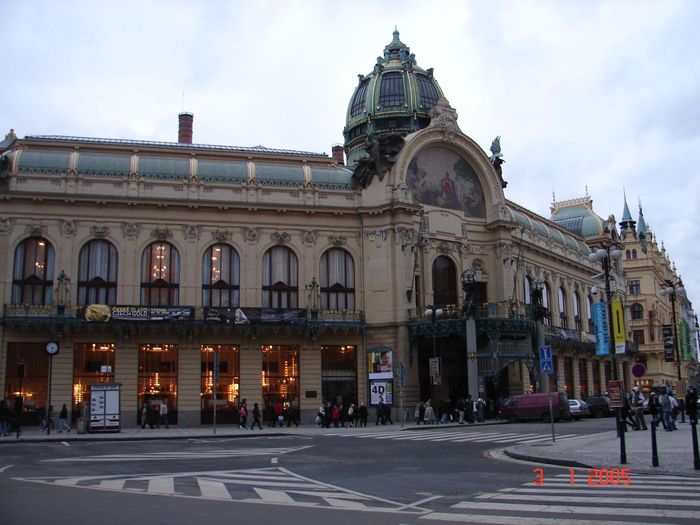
(572, 509)
(273, 461)
(600, 498)
(213, 489)
(3, 469)
(520, 520)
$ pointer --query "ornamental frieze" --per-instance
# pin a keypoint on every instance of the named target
(221, 235)
(337, 240)
(191, 232)
(5, 225)
(68, 227)
(309, 236)
(99, 231)
(280, 238)
(130, 230)
(35, 230)
(252, 234)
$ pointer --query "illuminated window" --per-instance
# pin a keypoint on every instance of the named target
(227, 387)
(221, 276)
(280, 374)
(32, 278)
(339, 373)
(27, 378)
(158, 377)
(92, 363)
(160, 275)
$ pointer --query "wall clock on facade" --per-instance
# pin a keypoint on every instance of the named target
(52, 347)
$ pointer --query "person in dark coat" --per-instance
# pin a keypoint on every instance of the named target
(691, 405)
(626, 414)
(256, 417)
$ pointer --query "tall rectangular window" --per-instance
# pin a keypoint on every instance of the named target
(339, 373)
(280, 374)
(158, 378)
(92, 363)
(227, 387)
(634, 287)
(27, 379)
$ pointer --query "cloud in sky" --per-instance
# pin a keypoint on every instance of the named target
(589, 94)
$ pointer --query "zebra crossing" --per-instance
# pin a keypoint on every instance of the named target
(454, 435)
(648, 499)
(272, 485)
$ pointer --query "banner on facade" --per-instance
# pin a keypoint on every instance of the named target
(684, 340)
(104, 313)
(669, 347)
(601, 329)
(618, 326)
(380, 361)
(290, 316)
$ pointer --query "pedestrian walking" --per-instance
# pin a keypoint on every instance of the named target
(279, 414)
(362, 413)
(163, 413)
(638, 408)
(479, 408)
(293, 414)
(666, 402)
(63, 419)
(626, 414)
(144, 415)
(256, 417)
(4, 419)
(429, 417)
(243, 415)
(419, 412)
(380, 413)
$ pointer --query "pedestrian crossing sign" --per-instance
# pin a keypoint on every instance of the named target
(546, 366)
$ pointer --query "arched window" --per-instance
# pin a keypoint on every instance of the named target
(221, 285)
(32, 279)
(589, 313)
(280, 286)
(97, 273)
(577, 311)
(563, 317)
(160, 275)
(337, 276)
(546, 303)
(634, 253)
(627, 254)
(444, 281)
(527, 290)
(637, 311)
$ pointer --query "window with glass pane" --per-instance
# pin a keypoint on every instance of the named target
(563, 317)
(638, 336)
(26, 386)
(569, 377)
(527, 290)
(227, 387)
(32, 277)
(158, 378)
(280, 286)
(221, 276)
(577, 310)
(428, 93)
(337, 276)
(280, 374)
(160, 275)
(545, 302)
(444, 281)
(97, 273)
(391, 92)
(358, 103)
(637, 311)
(92, 363)
(634, 286)
(589, 312)
(339, 373)
(597, 391)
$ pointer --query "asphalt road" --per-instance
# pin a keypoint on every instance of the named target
(357, 475)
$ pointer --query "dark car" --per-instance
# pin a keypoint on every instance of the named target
(599, 406)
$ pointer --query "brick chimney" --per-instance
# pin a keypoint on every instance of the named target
(184, 131)
(338, 154)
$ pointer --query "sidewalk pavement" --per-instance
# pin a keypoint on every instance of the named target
(600, 450)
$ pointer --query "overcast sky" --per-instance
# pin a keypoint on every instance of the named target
(603, 95)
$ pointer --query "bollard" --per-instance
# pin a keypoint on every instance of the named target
(621, 433)
(696, 455)
(654, 450)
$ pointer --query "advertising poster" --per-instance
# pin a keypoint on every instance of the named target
(601, 329)
(669, 346)
(618, 326)
(380, 363)
(381, 390)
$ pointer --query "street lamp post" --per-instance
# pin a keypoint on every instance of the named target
(468, 279)
(673, 288)
(538, 313)
(607, 253)
(433, 313)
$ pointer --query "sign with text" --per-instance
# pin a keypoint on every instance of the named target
(618, 326)
(104, 313)
(601, 329)
(381, 391)
(615, 393)
(669, 347)
(436, 370)
(546, 360)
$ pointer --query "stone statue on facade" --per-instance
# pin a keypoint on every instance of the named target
(496, 159)
(382, 152)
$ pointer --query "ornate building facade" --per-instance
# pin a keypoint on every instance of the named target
(203, 275)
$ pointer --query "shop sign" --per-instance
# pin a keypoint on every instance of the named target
(615, 393)
(291, 316)
(669, 347)
(381, 391)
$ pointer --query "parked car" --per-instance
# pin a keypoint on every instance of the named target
(599, 406)
(578, 409)
(535, 406)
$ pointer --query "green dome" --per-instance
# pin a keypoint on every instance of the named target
(396, 97)
(577, 216)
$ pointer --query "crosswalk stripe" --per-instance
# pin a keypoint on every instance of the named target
(274, 496)
(456, 436)
(571, 509)
(165, 485)
(603, 499)
(213, 489)
(587, 490)
(492, 519)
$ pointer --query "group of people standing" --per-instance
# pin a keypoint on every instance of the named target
(464, 409)
(664, 408)
(350, 415)
(154, 413)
